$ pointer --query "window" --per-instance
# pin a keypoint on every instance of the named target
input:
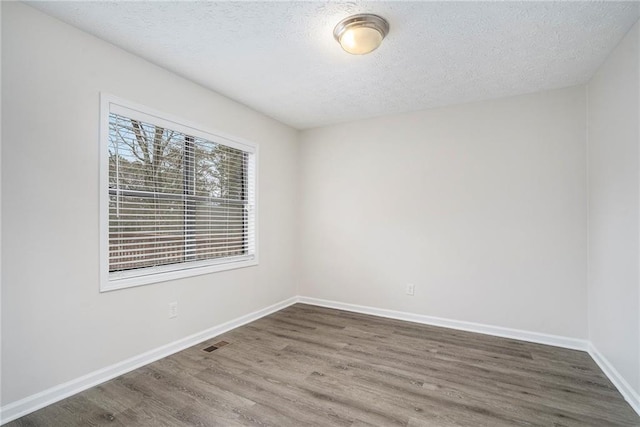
(176, 200)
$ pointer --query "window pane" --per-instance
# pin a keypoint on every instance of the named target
(148, 232)
(144, 157)
(220, 171)
(220, 230)
(174, 198)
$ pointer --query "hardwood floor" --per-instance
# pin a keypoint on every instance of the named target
(307, 365)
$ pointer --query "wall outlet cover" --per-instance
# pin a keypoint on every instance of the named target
(411, 289)
(173, 310)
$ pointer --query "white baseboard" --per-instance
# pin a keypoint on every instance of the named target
(629, 394)
(39, 400)
(536, 337)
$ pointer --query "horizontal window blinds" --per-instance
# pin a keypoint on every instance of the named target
(176, 200)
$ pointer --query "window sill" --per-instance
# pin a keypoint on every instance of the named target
(162, 274)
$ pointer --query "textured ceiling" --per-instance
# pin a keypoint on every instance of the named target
(280, 58)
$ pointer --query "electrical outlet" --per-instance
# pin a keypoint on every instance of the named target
(411, 289)
(173, 310)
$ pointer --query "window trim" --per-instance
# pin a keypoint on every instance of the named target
(111, 281)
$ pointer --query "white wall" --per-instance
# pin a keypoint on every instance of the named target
(0, 220)
(481, 206)
(56, 326)
(614, 214)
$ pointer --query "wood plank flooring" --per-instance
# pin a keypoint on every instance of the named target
(307, 365)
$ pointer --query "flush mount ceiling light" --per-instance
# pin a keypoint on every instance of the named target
(361, 34)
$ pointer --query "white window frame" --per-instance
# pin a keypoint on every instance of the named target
(143, 276)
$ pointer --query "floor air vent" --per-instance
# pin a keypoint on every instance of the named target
(215, 346)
